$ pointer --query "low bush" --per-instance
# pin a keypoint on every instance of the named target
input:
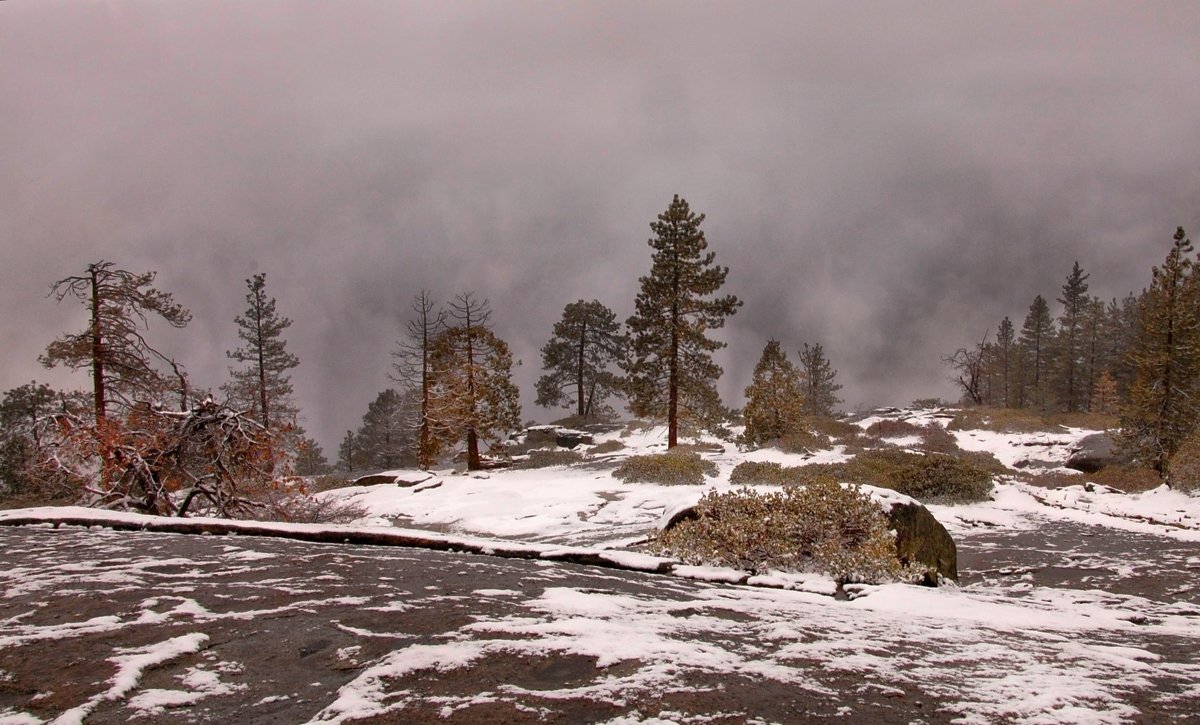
(943, 479)
(821, 527)
(933, 477)
(1129, 479)
(675, 467)
(891, 428)
(330, 481)
(1183, 470)
(831, 428)
(546, 459)
(755, 473)
(936, 439)
(1002, 420)
(609, 446)
(802, 441)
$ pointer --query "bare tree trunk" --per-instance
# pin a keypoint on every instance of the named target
(579, 371)
(97, 350)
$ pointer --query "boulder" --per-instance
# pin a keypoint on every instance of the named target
(568, 438)
(1095, 452)
(404, 479)
(921, 539)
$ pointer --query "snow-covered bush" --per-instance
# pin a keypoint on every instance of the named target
(761, 472)
(943, 479)
(675, 467)
(546, 459)
(609, 446)
(891, 428)
(822, 527)
(802, 441)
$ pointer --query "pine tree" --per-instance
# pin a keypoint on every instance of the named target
(1162, 409)
(22, 413)
(1105, 400)
(263, 387)
(1093, 348)
(774, 398)
(1005, 347)
(672, 373)
(586, 342)
(386, 438)
(310, 459)
(473, 396)
(113, 346)
(1069, 350)
(1036, 337)
(349, 453)
(817, 379)
(413, 370)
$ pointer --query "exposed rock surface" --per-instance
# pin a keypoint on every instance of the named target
(921, 539)
(1095, 452)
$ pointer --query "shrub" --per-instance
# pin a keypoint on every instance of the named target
(1183, 470)
(936, 439)
(802, 441)
(821, 527)
(1130, 479)
(831, 427)
(754, 472)
(889, 428)
(546, 459)
(675, 467)
(943, 479)
(330, 481)
(609, 446)
(1001, 420)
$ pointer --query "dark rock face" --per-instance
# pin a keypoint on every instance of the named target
(572, 438)
(402, 480)
(1095, 452)
(921, 539)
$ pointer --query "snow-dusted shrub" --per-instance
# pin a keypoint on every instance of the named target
(936, 439)
(822, 527)
(1183, 470)
(675, 467)
(765, 472)
(889, 428)
(546, 459)
(609, 446)
(802, 441)
(943, 479)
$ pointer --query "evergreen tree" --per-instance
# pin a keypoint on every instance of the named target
(1069, 351)
(817, 379)
(412, 369)
(1105, 400)
(1121, 329)
(1162, 409)
(1093, 348)
(774, 398)
(1036, 338)
(22, 411)
(263, 387)
(672, 373)
(113, 346)
(473, 396)
(1005, 347)
(577, 360)
(310, 459)
(350, 454)
(386, 438)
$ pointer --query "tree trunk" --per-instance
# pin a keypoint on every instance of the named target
(97, 350)
(579, 404)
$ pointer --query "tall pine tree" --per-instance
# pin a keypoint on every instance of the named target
(1162, 409)
(413, 369)
(473, 397)
(586, 342)
(1037, 334)
(1070, 348)
(817, 377)
(774, 398)
(672, 373)
(263, 386)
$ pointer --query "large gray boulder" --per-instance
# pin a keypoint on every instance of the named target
(1095, 452)
(922, 540)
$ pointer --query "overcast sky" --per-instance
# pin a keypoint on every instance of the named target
(888, 179)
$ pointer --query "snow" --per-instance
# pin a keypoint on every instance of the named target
(1001, 649)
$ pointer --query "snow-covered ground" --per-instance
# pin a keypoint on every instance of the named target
(1100, 634)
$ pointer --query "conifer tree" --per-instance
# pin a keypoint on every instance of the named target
(1105, 400)
(1162, 408)
(310, 459)
(386, 438)
(1036, 336)
(1069, 350)
(817, 377)
(1005, 346)
(113, 345)
(586, 342)
(473, 397)
(774, 398)
(349, 453)
(263, 387)
(413, 369)
(672, 373)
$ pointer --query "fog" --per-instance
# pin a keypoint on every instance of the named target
(886, 179)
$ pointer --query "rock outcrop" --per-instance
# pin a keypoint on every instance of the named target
(922, 540)
(1095, 452)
